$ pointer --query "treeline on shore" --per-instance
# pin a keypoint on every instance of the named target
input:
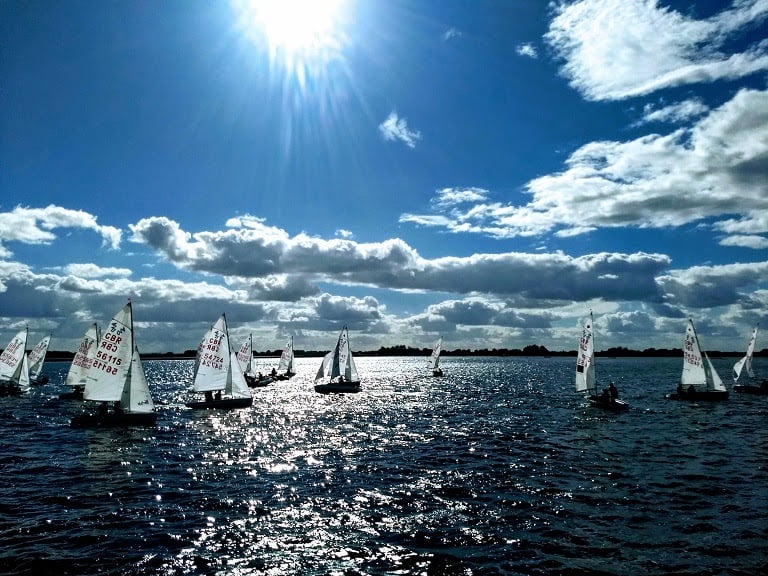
(402, 350)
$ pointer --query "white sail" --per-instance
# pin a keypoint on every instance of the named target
(107, 374)
(136, 397)
(14, 365)
(37, 357)
(746, 361)
(343, 363)
(24, 380)
(236, 383)
(86, 353)
(434, 360)
(697, 373)
(245, 356)
(585, 360)
(325, 366)
(214, 364)
(713, 378)
(286, 358)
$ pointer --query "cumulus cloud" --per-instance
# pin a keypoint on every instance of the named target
(616, 49)
(37, 225)
(528, 50)
(94, 271)
(678, 112)
(396, 128)
(719, 166)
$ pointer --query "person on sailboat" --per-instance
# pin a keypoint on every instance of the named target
(613, 392)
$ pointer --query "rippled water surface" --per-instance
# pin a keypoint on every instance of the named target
(496, 468)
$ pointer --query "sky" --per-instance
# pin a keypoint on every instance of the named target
(487, 172)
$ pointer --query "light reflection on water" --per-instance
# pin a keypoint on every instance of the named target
(495, 468)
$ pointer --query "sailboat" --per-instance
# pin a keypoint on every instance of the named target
(339, 367)
(117, 375)
(218, 370)
(699, 379)
(434, 359)
(585, 373)
(286, 362)
(84, 357)
(37, 360)
(14, 366)
(245, 359)
(746, 364)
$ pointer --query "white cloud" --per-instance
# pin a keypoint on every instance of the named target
(719, 166)
(395, 128)
(528, 50)
(615, 49)
(675, 113)
(94, 271)
(36, 226)
(451, 33)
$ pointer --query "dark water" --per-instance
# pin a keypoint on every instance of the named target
(496, 468)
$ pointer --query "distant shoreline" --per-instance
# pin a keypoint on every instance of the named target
(538, 351)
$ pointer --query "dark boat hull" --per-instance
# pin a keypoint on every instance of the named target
(708, 395)
(606, 404)
(761, 390)
(258, 382)
(76, 394)
(336, 387)
(113, 420)
(222, 404)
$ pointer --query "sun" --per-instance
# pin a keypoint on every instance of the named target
(293, 27)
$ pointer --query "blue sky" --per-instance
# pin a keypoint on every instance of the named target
(483, 171)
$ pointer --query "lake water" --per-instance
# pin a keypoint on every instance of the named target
(496, 468)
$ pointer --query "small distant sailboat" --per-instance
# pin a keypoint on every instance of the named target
(339, 367)
(585, 373)
(14, 366)
(37, 361)
(745, 364)
(434, 360)
(245, 359)
(699, 379)
(218, 370)
(286, 362)
(84, 357)
(117, 375)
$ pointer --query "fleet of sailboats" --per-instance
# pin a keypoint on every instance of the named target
(116, 377)
(337, 372)
(699, 379)
(107, 369)
(745, 365)
(218, 374)
(586, 376)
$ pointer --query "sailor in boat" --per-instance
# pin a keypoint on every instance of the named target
(209, 397)
(613, 393)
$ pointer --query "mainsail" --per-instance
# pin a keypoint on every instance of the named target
(585, 361)
(746, 361)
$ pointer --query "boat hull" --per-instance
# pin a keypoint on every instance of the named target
(224, 403)
(336, 387)
(10, 389)
(76, 394)
(113, 420)
(602, 403)
(761, 390)
(258, 382)
(708, 395)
